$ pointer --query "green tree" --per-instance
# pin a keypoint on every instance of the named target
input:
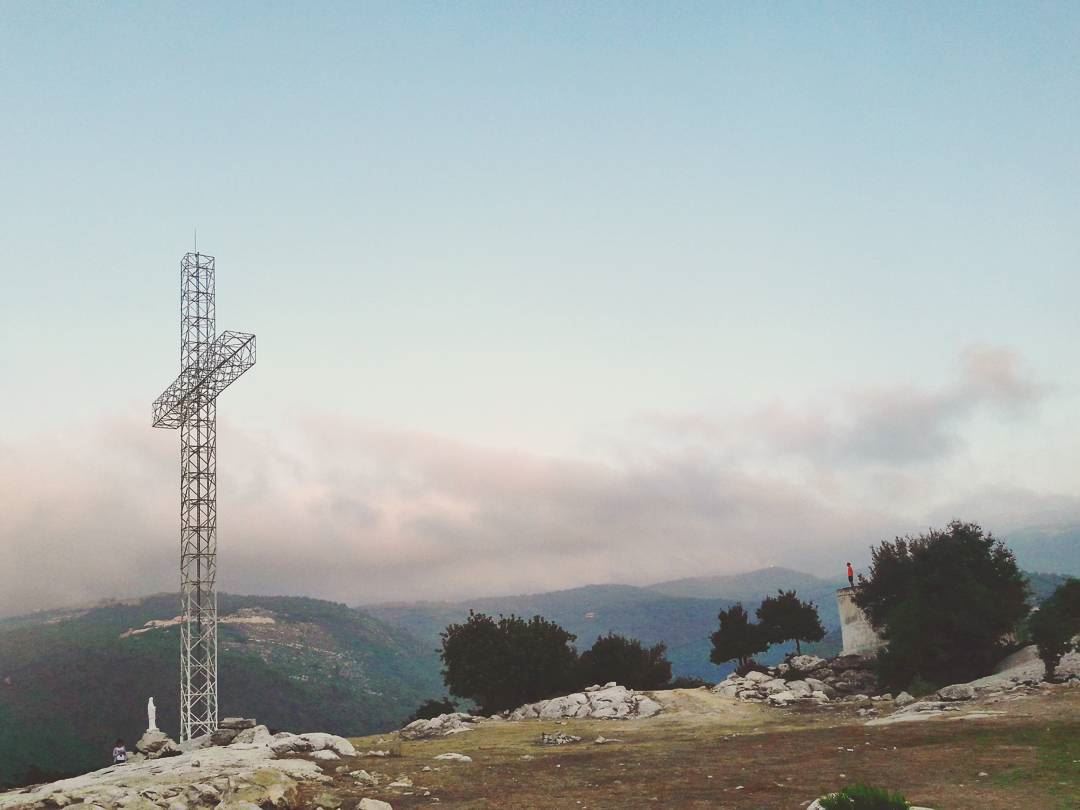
(785, 617)
(1055, 623)
(943, 601)
(625, 661)
(737, 639)
(506, 662)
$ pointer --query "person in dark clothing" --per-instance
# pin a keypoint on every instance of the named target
(119, 753)
(850, 575)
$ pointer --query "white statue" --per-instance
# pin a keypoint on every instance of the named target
(151, 715)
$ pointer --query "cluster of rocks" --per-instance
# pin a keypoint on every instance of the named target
(805, 678)
(442, 726)
(558, 738)
(242, 730)
(607, 702)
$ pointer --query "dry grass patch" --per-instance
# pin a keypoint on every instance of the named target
(744, 757)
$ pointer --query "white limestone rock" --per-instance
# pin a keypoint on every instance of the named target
(450, 756)
(225, 777)
(806, 663)
(313, 741)
(441, 726)
(958, 691)
(259, 735)
(647, 707)
(801, 689)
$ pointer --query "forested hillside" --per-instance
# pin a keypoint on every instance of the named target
(71, 682)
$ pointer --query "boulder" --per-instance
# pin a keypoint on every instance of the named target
(259, 735)
(450, 756)
(904, 699)
(238, 723)
(441, 726)
(373, 804)
(958, 691)
(801, 689)
(313, 741)
(223, 736)
(756, 676)
(647, 707)
(820, 686)
(806, 663)
(156, 744)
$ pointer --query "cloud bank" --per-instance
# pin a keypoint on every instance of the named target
(335, 508)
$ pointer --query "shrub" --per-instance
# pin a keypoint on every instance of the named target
(942, 601)
(625, 661)
(863, 797)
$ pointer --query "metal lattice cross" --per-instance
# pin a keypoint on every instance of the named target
(209, 364)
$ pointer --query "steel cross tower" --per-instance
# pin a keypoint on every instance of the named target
(209, 363)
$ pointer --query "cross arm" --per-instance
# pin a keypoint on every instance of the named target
(229, 356)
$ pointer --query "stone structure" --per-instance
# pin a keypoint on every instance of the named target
(859, 635)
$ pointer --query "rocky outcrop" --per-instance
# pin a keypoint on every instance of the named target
(229, 777)
(441, 726)
(803, 678)
(311, 742)
(156, 744)
(607, 702)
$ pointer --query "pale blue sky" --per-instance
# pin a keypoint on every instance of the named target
(548, 228)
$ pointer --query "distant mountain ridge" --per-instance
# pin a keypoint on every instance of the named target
(681, 613)
(1047, 549)
(749, 586)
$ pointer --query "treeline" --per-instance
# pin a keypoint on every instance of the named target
(499, 663)
(949, 604)
(503, 662)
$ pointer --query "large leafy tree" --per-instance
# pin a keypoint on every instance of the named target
(1055, 623)
(943, 601)
(737, 639)
(785, 617)
(505, 662)
(625, 661)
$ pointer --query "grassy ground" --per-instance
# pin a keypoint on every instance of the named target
(710, 753)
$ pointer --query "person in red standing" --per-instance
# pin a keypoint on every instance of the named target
(850, 575)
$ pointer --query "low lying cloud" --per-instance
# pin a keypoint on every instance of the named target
(348, 511)
(899, 425)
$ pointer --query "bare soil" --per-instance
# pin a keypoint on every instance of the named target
(711, 752)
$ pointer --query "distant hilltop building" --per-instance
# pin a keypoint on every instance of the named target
(860, 638)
